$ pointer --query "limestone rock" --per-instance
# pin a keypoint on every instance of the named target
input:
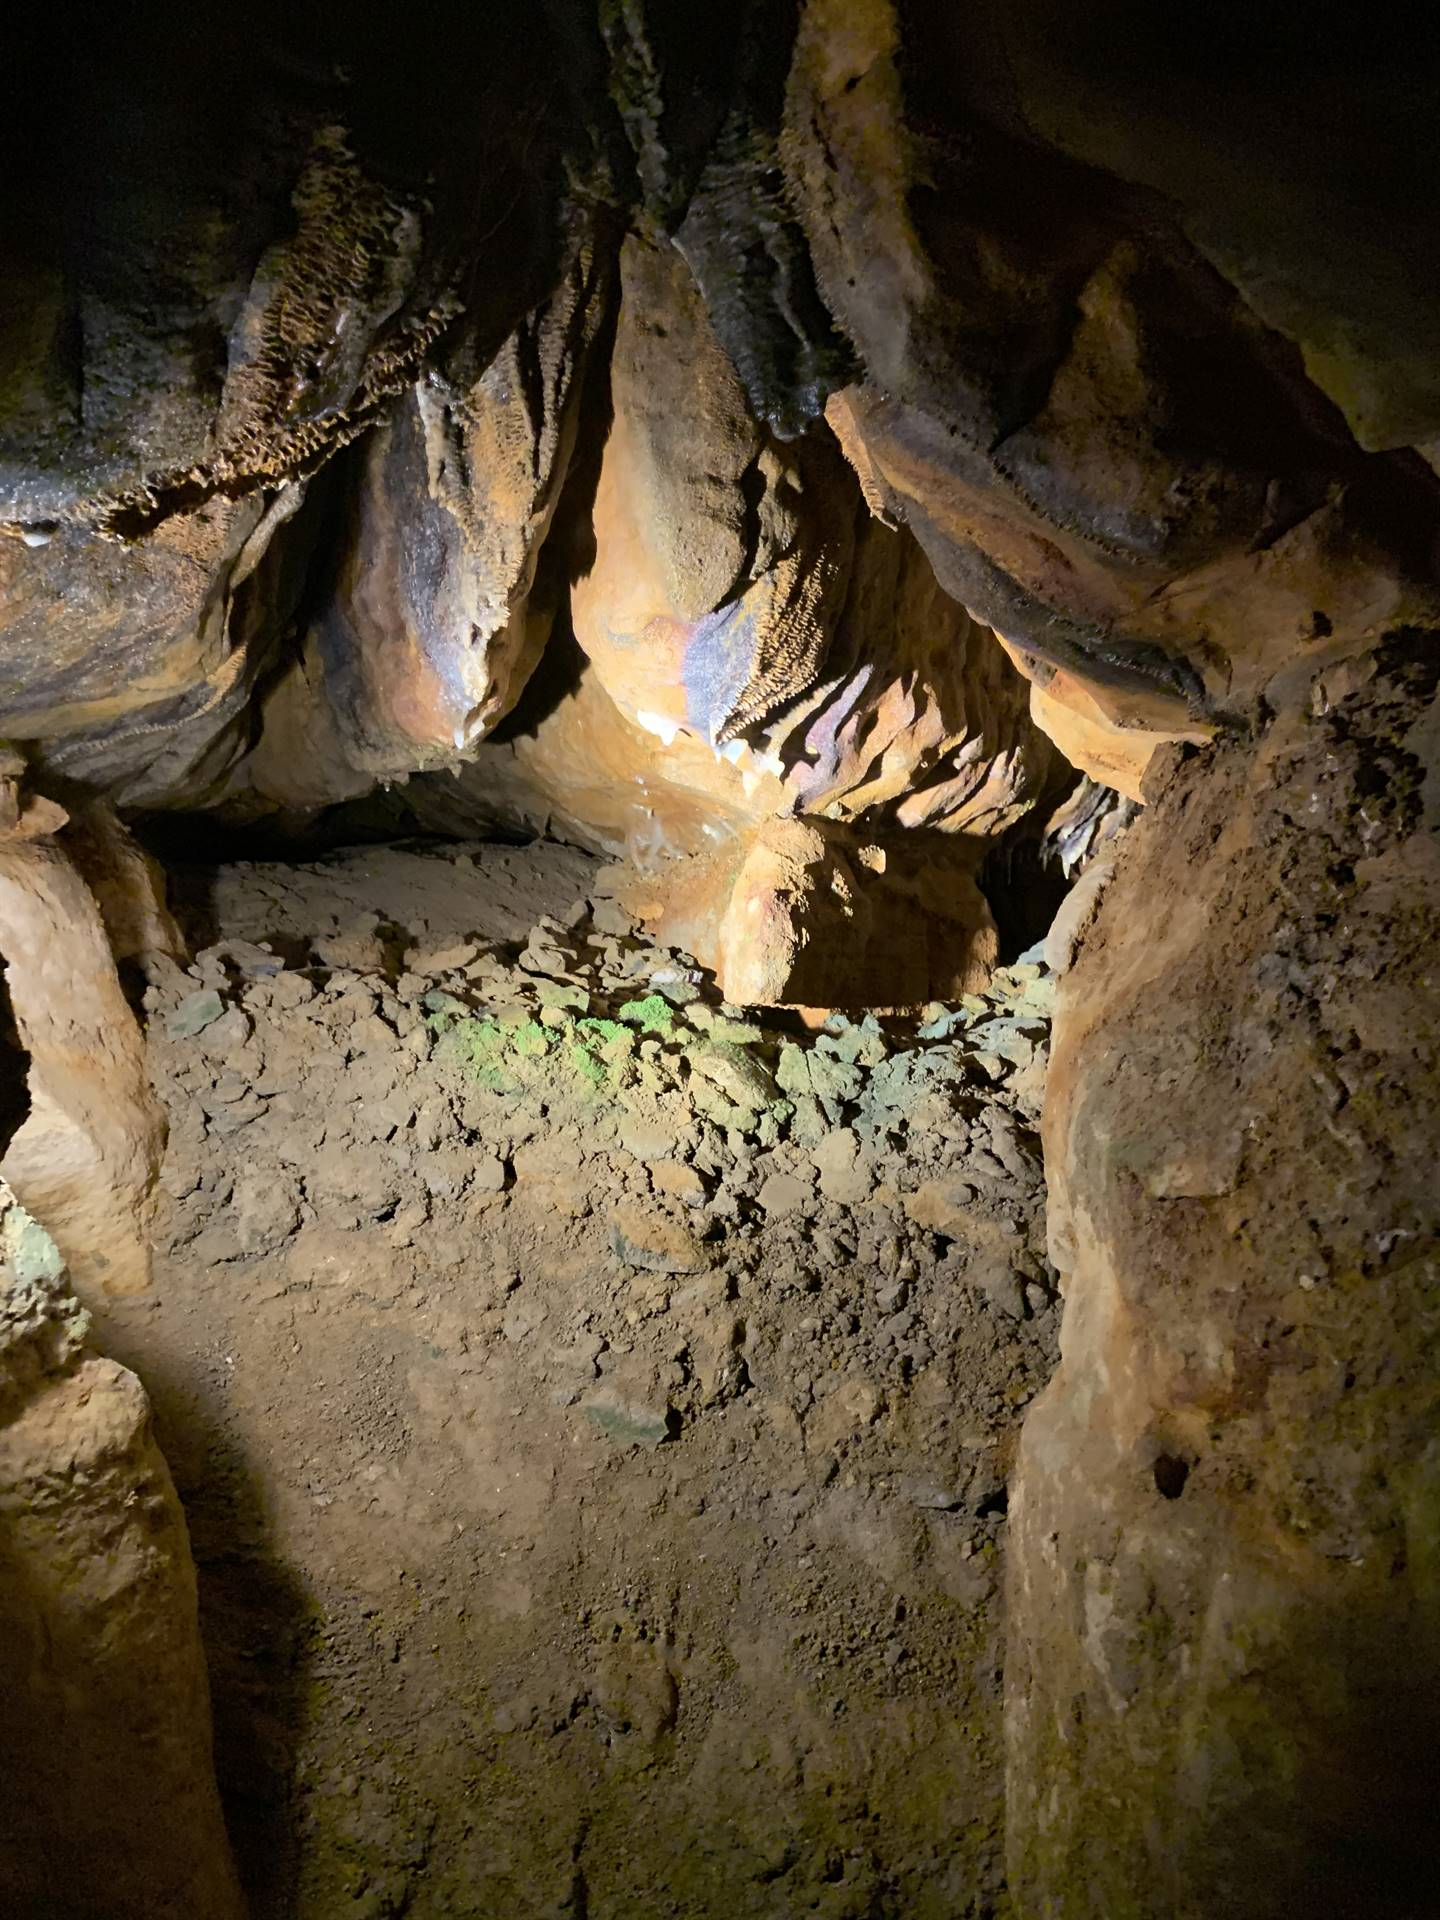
(645, 1237)
(86, 1158)
(104, 1712)
(817, 916)
(42, 1324)
(128, 886)
(636, 1424)
(435, 623)
(1079, 483)
(721, 553)
(266, 1209)
(1220, 1495)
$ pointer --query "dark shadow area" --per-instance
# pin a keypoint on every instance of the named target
(1024, 883)
(14, 1071)
(1327, 1803)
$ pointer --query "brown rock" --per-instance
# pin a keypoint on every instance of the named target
(721, 553)
(128, 886)
(1208, 1582)
(847, 1410)
(1038, 407)
(105, 1714)
(654, 1241)
(679, 1181)
(87, 1156)
(816, 915)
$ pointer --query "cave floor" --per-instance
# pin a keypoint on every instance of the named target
(592, 1406)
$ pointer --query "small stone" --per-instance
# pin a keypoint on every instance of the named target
(854, 1405)
(933, 1497)
(782, 1193)
(555, 995)
(543, 959)
(442, 959)
(522, 1318)
(446, 1173)
(249, 960)
(237, 1114)
(266, 1210)
(488, 1174)
(194, 1013)
(846, 1176)
(944, 1025)
(355, 947)
(369, 1034)
(942, 1205)
(679, 1181)
(289, 990)
(650, 1240)
(808, 1125)
(608, 916)
(634, 1424)
(1004, 1292)
(648, 1140)
(228, 1033)
(856, 1043)
(679, 986)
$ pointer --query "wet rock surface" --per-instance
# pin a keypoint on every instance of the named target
(593, 1403)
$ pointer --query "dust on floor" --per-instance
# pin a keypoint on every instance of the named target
(592, 1404)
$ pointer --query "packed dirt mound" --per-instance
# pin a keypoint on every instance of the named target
(593, 1403)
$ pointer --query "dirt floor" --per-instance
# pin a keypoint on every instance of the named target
(592, 1405)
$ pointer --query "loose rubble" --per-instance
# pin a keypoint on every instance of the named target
(727, 1296)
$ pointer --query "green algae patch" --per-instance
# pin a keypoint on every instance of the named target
(653, 1014)
(576, 1058)
(609, 1036)
(481, 1047)
(586, 1064)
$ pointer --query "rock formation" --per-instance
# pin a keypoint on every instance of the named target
(86, 1156)
(1225, 1615)
(110, 1792)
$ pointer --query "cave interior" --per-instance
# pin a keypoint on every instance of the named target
(719, 1043)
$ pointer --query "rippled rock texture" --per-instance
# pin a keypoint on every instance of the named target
(594, 432)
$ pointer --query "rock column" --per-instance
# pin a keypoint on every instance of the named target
(110, 1804)
(1224, 1671)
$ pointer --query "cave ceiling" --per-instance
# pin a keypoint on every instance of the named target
(655, 414)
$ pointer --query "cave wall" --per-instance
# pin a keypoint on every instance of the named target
(326, 422)
(1223, 1675)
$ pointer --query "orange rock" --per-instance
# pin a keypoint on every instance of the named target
(105, 1712)
(1101, 731)
(85, 1159)
(809, 913)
